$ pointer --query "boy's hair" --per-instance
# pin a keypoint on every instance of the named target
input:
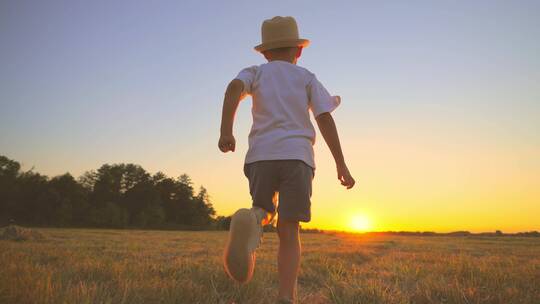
(290, 53)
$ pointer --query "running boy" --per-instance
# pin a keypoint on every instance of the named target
(280, 157)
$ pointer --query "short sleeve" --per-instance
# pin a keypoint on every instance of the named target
(320, 101)
(247, 76)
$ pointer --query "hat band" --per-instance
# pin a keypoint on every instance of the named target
(281, 43)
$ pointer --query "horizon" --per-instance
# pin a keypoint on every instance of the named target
(352, 229)
(438, 122)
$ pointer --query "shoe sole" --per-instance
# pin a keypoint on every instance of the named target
(239, 261)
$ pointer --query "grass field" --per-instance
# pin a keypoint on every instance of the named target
(123, 266)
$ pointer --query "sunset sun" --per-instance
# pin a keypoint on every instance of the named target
(360, 222)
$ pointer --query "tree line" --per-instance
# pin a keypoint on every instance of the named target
(113, 196)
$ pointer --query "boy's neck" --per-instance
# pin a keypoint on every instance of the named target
(292, 61)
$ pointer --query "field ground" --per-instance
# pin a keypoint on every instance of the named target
(134, 266)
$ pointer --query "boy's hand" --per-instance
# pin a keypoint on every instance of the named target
(344, 176)
(227, 143)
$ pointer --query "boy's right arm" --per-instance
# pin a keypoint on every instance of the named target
(328, 130)
(233, 95)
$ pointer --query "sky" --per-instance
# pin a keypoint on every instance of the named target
(439, 121)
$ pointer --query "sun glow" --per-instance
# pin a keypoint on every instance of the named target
(360, 222)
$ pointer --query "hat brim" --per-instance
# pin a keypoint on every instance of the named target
(280, 44)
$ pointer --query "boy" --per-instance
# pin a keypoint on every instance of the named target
(280, 156)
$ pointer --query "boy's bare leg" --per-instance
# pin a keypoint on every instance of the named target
(288, 258)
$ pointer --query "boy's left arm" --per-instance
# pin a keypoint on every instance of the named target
(328, 129)
(233, 95)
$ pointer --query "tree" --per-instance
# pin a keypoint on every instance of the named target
(9, 172)
(170, 193)
(222, 222)
(143, 204)
(109, 215)
(71, 201)
(203, 211)
(31, 205)
(117, 195)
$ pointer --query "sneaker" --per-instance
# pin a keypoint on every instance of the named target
(244, 237)
(260, 215)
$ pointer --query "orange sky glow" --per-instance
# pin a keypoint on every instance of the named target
(439, 120)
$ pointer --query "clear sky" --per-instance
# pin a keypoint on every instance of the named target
(439, 121)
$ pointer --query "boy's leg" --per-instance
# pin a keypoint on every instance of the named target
(288, 258)
(246, 230)
(245, 236)
(239, 258)
(262, 187)
(263, 217)
(294, 207)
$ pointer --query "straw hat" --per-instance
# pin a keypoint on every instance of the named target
(280, 32)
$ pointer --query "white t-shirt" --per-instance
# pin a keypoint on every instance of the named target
(283, 93)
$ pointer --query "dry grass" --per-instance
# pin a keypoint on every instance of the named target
(118, 266)
(17, 233)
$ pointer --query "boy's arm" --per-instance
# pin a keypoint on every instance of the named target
(233, 95)
(329, 132)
